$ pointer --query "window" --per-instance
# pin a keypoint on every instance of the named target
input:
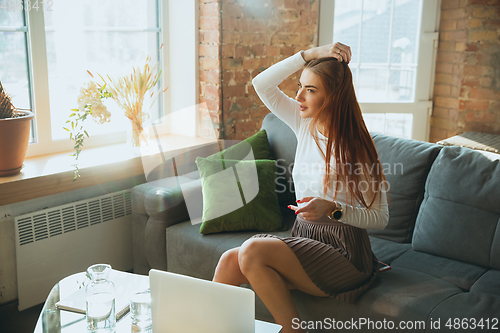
(13, 57)
(393, 48)
(47, 51)
(102, 37)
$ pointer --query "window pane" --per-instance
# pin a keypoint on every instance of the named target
(13, 18)
(405, 32)
(371, 85)
(125, 13)
(401, 86)
(375, 31)
(113, 13)
(346, 24)
(394, 124)
(83, 40)
(389, 31)
(14, 68)
(13, 61)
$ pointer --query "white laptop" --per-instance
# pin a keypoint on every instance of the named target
(183, 304)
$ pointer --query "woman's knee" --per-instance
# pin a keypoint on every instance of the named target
(229, 259)
(228, 270)
(253, 252)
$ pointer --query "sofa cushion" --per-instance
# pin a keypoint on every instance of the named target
(406, 164)
(396, 295)
(489, 282)
(460, 215)
(261, 149)
(194, 254)
(387, 251)
(461, 274)
(239, 195)
(467, 308)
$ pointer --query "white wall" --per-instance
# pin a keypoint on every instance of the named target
(8, 270)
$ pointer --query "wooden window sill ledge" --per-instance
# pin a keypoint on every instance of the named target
(53, 173)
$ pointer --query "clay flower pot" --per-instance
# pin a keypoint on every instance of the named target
(14, 139)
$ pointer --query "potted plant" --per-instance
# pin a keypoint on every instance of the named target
(14, 135)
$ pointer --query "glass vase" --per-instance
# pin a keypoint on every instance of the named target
(133, 144)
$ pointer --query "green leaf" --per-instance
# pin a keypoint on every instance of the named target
(72, 115)
(71, 136)
(67, 121)
(72, 125)
(66, 129)
(86, 134)
(75, 109)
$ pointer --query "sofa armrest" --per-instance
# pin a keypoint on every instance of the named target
(156, 206)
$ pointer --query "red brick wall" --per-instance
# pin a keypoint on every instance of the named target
(258, 33)
(467, 81)
(209, 65)
(255, 35)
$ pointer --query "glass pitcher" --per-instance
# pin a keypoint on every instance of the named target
(100, 300)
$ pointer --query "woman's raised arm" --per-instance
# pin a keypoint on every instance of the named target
(266, 86)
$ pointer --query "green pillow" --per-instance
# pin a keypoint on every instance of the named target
(261, 149)
(257, 142)
(241, 200)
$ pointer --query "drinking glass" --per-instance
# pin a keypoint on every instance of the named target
(140, 311)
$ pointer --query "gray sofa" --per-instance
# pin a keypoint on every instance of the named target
(442, 240)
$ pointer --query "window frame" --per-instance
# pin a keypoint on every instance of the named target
(421, 107)
(39, 88)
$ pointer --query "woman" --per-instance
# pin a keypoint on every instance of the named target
(329, 252)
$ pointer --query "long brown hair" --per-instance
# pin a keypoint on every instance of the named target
(346, 131)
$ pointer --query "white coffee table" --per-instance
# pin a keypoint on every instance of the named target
(53, 320)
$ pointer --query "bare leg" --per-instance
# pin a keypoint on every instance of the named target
(271, 267)
(228, 269)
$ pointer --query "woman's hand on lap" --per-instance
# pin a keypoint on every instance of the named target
(338, 51)
(315, 209)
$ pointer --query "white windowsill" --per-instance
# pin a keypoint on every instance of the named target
(53, 173)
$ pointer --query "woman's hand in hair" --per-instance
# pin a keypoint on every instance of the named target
(338, 51)
(315, 209)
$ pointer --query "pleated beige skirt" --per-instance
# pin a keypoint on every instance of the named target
(337, 257)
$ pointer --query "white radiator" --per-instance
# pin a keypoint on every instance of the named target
(56, 242)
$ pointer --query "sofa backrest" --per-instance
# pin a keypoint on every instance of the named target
(179, 162)
(406, 164)
(283, 145)
(460, 215)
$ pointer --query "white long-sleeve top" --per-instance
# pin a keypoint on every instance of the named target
(308, 170)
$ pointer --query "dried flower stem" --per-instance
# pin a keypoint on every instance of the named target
(129, 93)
